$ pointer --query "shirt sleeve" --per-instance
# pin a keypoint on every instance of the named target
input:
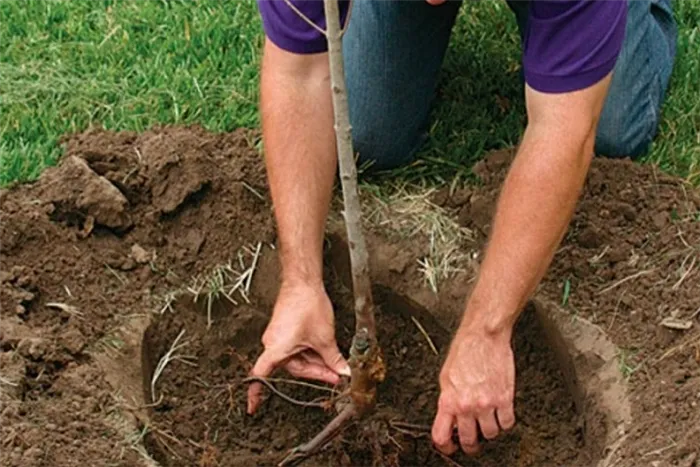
(571, 45)
(288, 31)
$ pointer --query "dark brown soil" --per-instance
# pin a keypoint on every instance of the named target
(90, 252)
(121, 220)
(205, 403)
(631, 259)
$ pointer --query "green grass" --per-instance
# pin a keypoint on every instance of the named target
(68, 64)
(128, 65)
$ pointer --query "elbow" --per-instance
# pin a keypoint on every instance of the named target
(568, 141)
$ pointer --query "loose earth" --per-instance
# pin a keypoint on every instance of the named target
(154, 254)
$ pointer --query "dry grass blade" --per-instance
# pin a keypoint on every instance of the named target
(691, 340)
(116, 274)
(169, 356)
(447, 459)
(168, 300)
(425, 334)
(686, 272)
(255, 192)
(695, 314)
(71, 310)
(6, 381)
(252, 267)
(408, 211)
(626, 279)
(223, 281)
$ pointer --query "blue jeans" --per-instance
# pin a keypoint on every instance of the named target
(394, 51)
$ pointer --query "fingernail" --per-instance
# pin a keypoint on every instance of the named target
(345, 371)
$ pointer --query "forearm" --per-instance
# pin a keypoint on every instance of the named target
(534, 210)
(535, 207)
(300, 156)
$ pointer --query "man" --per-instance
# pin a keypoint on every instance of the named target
(595, 73)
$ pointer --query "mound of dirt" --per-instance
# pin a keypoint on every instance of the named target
(90, 247)
(129, 229)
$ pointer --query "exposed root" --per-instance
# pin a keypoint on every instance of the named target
(302, 383)
(447, 459)
(411, 429)
(331, 430)
(278, 393)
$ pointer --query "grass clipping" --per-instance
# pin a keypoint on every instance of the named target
(408, 211)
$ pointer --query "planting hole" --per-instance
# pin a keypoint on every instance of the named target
(198, 417)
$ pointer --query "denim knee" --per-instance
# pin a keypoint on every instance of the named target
(622, 136)
(379, 148)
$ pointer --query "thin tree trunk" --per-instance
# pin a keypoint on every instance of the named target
(366, 360)
(364, 306)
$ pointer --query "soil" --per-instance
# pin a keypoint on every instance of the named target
(204, 403)
(94, 251)
(630, 259)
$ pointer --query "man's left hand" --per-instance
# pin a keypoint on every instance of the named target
(477, 385)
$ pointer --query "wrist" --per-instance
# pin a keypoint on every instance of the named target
(487, 319)
(301, 281)
(300, 272)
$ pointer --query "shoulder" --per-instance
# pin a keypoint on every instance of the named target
(573, 44)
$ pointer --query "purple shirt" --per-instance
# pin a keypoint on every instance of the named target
(569, 45)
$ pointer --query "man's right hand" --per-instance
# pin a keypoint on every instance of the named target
(299, 338)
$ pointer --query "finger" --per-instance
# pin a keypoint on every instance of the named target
(313, 357)
(467, 434)
(506, 416)
(487, 424)
(263, 367)
(334, 359)
(442, 432)
(302, 368)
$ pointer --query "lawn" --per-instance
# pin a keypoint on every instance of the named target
(128, 65)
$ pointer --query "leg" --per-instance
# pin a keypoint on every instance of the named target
(632, 109)
(393, 53)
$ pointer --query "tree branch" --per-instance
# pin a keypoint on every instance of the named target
(344, 29)
(301, 15)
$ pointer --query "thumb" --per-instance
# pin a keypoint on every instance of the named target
(264, 366)
(334, 359)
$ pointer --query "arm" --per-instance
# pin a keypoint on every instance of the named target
(536, 203)
(300, 158)
(534, 209)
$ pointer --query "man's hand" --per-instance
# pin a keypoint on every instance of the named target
(477, 385)
(300, 338)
